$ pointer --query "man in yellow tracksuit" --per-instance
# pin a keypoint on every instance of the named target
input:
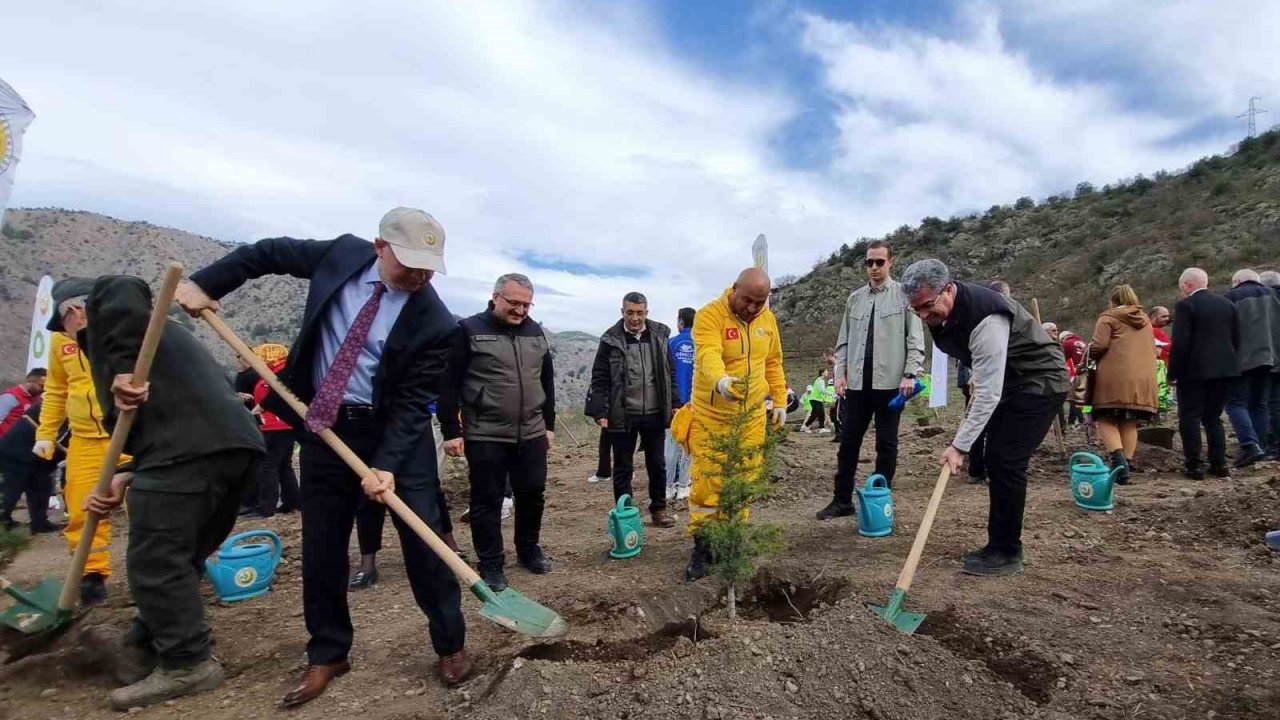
(737, 364)
(70, 396)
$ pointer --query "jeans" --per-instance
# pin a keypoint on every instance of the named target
(1247, 399)
(651, 434)
(858, 409)
(1200, 403)
(1015, 430)
(491, 464)
(678, 465)
(1273, 442)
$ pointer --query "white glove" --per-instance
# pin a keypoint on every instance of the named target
(779, 416)
(43, 449)
(726, 388)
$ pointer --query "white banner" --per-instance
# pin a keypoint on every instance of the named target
(760, 253)
(15, 116)
(38, 347)
(938, 392)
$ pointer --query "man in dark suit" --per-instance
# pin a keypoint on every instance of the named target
(1202, 361)
(374, 341)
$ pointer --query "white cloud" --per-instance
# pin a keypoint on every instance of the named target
(545, 127)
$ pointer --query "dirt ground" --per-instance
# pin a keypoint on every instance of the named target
(1166, 607)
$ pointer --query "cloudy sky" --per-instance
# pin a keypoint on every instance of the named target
(605, 146)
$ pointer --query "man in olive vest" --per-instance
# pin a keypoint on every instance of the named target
(501, 378)
(1019, 383)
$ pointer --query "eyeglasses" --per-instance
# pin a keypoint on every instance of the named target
(516, 303)
(926, 307)
(875, 262)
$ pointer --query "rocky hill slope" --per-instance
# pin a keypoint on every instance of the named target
(1222, 214)
(58, 242)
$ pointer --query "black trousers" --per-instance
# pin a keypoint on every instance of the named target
(331, 494)
(277, 483)
(652, 437)
(170, 535)
(33, 477)
(816, 412)
(978, 455)
(604, 468)
(490, 465)
(858, 409)
(833, 413)
(1200, 404)
(371, 518)
(1015, 430)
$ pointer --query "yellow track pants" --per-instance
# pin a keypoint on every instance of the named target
(706, 472)
(84, 460)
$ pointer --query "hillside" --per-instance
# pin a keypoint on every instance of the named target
(60, 242)
(1222, 214)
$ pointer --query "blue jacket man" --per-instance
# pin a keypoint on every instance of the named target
(680, 351)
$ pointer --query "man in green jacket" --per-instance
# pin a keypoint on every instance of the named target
(194, 448)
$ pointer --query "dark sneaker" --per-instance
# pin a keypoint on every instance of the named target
(1193, 474)
(494, 577)
(836, 509)
(1118, 461)
(699, 561)
(163, 685)
(993, 564)
(662, 519)
(93, 590)
(1249, 454)
(983, 551)
(534, 560)
(977, 479)
(1220, 472)
(362, 579)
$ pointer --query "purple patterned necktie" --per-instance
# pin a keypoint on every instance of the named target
(323, 412)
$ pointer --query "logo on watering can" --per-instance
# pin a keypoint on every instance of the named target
(246, 577)
(888, 510)
(1085, 489)
(632, 540)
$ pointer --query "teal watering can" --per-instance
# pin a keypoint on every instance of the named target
(242, 570)
(1092, 482)
(875, 507)
(626, 529)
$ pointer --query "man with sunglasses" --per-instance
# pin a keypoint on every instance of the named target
(879, 354)
(498, 408)
(1019, 383)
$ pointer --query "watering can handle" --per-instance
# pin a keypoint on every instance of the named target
(623, 501)
(1093, 459)
(276, 550)
(876, 481)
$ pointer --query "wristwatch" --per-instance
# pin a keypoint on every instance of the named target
(909, 376)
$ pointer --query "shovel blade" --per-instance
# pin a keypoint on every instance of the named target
(906, 622)
(35, 610)
(518, 613)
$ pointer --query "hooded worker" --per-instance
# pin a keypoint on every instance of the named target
(737, 364)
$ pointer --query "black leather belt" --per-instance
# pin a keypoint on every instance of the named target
(355, 412)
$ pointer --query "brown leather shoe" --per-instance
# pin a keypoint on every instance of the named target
(662, 519)
(313, 683)
(455, 668)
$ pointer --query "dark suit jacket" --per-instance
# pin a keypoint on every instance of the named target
(413, 358)
(1206, 339)
(192, 410)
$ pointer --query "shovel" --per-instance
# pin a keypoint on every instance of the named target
(906, 621)
(33, 615)
(508, 608)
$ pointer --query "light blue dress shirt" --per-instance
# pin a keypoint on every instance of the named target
(335, 324)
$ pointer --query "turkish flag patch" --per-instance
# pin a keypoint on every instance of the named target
(731, 333)
(70, 349)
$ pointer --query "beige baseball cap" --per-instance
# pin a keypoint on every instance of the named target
(416, 239)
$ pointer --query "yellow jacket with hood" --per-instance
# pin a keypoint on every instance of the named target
(69, 393)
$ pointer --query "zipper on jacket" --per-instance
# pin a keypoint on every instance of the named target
(515, 348)
(88, 396)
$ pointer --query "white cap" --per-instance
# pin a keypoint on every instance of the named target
(416, 239)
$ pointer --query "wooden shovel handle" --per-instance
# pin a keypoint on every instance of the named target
(120, 434)
(460, 568)
(922, 535)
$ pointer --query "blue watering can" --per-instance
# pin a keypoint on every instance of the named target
(626, 529)
(900, 400)
(242, 571)
(1092, 482)
(875, 507)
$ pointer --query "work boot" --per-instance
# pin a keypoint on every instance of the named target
(533, 560)
(164, 684)
(993, 563)
(93, 590)
(836, 509)
(1220, 471)
(494, 577)
(1118, 461)
(977, 479)
(108, 650)
(1249, 454)
(699, 561)
(662, 519)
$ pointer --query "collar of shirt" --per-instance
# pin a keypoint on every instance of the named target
(1193, 292)
(883, 286)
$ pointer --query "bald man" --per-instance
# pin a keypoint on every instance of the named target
(1202, 362)
(737, 364)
